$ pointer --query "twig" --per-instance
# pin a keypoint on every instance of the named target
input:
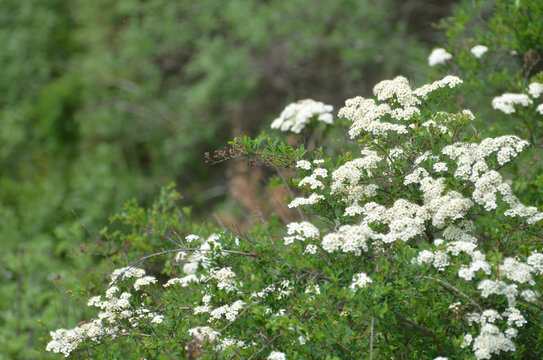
(271, 240)
(424, 330)
(190, 250)
(139, 261)
(94, 238)
(289, 189)
(449, 286)
(371, 339)
(265, 346)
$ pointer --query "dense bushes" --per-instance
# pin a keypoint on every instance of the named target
(421, 248)
(404, 223)
(109, 104)
(103, 101)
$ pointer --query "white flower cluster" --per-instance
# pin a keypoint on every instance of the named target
(346, 178)
(113, 310)
(440, 167)
(296, 116)
(146, 280)
(312, 180)
(506, 102)
(230, 312)
(183, 282)
(230, 342)
(303, 164)
(315, 181)
(276, 355)
(360, 281)
(66, 341)
(225, 279)
(535, 89)
(349, 238)
(204, 333)
(458, 241)
(311, 249)
(366, 115)
(313, 289)
(202, 257)
(490, 340)
(207, 334)
(205, 307)
(311, 200)
(192, 237)
(471, 166)
(439, 56)
(126, 273)
(404, 219)
(157, 319)
(284, 289)
(357, 183)
(449, 81)
(479, 50)
(301, 231)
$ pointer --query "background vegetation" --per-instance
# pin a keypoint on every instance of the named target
(102, 102)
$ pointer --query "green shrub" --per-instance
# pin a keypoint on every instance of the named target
(392, 257)
(103, 101)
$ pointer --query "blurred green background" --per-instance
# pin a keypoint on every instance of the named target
(103, 101)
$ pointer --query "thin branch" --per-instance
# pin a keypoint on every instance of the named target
(371, 339)
(139, 261)
(265, 346)
(424, 330)
(451, 287)
(273, 242)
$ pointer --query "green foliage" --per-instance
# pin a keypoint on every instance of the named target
(514, 60)
(101, 101)
(307, 303)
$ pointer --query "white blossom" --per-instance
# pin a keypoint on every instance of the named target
(360, 280)
(439, 56)
(311, 249)
(229, 312)
(157, 319)
(296, 116)
(535, 89)
(311, 200)
(191, 238)
(479, 50)
(204, 333)
(276, 355)
(301, 231)
(506, 102)
(303, 164)
(146, 280)
(126, 273)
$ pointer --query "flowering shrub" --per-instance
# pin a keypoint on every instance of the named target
(497, 48)
(391, 256)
